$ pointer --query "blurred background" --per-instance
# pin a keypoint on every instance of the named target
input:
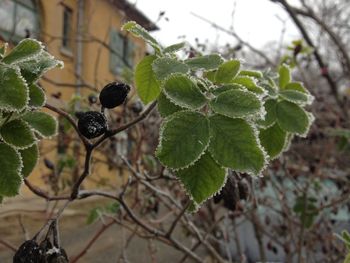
(296, 212)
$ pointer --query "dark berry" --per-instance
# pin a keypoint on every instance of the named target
(229, 194)
(114, 94)
(28, 252)
(92, 124)
(58, 256)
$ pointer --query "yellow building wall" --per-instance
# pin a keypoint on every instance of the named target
(99, 17)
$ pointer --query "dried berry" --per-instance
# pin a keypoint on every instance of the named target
(28, 252)
(92, 124)
(114, 94)
(229, 194)
(56, 255)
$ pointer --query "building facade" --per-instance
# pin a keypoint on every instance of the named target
(86, 36)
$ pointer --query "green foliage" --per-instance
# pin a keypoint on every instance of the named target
(236, 103)
(146, 82)
(182, 91)
(166, 107)
(43, 123)
(139, 31)
(208, 62)
(184, 136)
(235, 144)
(175, 47)
(25, 49)
(235, 118)
(14, 90)
(203, 179)
(10, 172)
(284, 76)
(37, 96)
(227, 71)
(30, 158)
(21, 100)
(273, 139)
(163, 67)
(17, 133)
(292, 118)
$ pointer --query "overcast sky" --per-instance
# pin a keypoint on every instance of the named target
(254, 20)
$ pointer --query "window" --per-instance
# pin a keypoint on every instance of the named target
(122, 52)
(18, 19)
(67, 28)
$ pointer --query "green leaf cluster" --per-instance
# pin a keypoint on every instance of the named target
(22, 121)
(216, 115)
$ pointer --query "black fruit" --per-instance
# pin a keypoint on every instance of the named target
(59, 256)
(92, 124)
(28, 252)
(232, 193)
(114, 94)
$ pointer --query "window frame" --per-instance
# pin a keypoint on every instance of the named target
(11, 35)
(67, 41)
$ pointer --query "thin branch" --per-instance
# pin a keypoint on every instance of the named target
(92, 241)
(70, 120)
(235, 35)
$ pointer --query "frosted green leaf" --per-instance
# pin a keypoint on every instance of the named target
(13, 90)
(184, 136)
(174, 48)
(234, 144)
(291, 117)
(210, 75)
(273, 139)
(208, 62)
(17, 133)
(36, 96)
(139, 31)
(30, 158)
(251, 73)
(182, 91)
(147, 85)
(3, 50)
(284, 76)
(226, 87)
(270, 116)
(249, 83)
(10, 178)
(163, 67)
(227, 71)
(236, 103)
(41, 122)
(203, 179)
(34, 68)
(298, 86)
(271, 89)
(166, 107)
(25, 50)
(295, 96)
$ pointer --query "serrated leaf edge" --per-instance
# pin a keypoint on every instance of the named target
(161, 130)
